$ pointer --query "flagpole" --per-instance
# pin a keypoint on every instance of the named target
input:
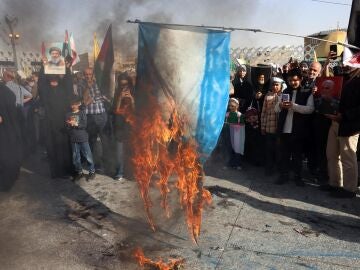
(246, 29)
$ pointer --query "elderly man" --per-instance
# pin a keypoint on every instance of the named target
(324, 104)
(96, 114)
(22, 95)
(343, 139)
(313, 72)
(55, 57)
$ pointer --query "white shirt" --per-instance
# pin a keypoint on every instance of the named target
(19, 91)
(303, 109)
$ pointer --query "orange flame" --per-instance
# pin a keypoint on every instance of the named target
(160, 149)
(160, 264)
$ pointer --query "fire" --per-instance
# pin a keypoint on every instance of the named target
(173, 264)
(162, 148)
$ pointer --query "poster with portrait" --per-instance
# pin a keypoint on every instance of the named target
(332, 84)
(328, 94)
(55, 63)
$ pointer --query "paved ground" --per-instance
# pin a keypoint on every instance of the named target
(252, 224)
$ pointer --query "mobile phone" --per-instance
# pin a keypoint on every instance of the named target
(333, 48)
(285, 97)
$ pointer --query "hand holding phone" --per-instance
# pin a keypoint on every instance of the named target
(285, 97)
(333, 51)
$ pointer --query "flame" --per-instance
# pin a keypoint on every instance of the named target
(162, 148)
(160, 264)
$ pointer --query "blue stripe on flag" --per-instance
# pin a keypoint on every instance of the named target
(214, 94)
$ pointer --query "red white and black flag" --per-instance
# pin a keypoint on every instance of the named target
(104, 64)
(351, 57)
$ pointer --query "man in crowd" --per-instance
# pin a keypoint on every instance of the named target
(343, 139)
(96, 114)
(22, 95)
(23, 98)
(293, 125)
(309, 81)
(325, 103)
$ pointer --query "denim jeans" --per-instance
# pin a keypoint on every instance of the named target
(95, 128)
(119, 158)
(83, 149)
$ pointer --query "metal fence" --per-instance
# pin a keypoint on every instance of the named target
(274, 55)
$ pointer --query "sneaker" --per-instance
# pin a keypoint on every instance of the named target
(91, 176)
(342, 193)
(78, 176)
(118, 177)
(99, 170)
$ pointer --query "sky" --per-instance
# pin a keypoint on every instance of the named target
(46, 20)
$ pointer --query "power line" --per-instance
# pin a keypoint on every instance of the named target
(245, 29)
(334, 3)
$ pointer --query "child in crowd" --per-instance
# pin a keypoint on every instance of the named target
(268, 122)
(76, 124)
(235, 121)
(254, 141)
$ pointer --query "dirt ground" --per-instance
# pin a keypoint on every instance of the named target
(252, 224)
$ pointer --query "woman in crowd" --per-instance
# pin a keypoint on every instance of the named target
(123, 109)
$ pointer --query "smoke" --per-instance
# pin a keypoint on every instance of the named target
(46, 20)
(32, 19)
(125, 34)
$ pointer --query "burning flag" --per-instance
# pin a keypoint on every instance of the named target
(351, 57)
(104, 64)
(173, 264)
(181, 98)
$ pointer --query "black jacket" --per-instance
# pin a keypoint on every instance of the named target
(243, 90)
(349, 107)
(301, 125)
(78, 133)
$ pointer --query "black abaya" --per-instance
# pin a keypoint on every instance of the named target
(55, 101)
(10, 139)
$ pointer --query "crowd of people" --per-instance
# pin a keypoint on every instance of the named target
(68, 119)
(281, 122)
(290, 123)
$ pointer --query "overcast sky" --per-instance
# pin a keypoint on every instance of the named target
(46, 20)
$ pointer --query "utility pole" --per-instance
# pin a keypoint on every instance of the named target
(11, 22)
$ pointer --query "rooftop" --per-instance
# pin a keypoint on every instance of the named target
(326, 32)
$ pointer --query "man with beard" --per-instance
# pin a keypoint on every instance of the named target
(294, 108)
(313, 72)
(96, 115)
(55, 92)
(55, 57)
(10, 139)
